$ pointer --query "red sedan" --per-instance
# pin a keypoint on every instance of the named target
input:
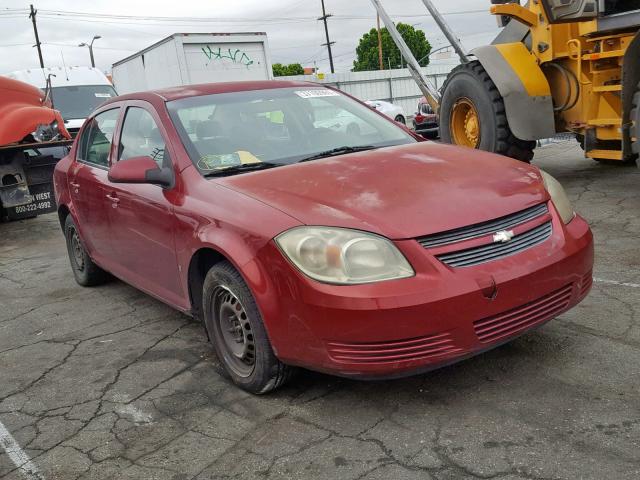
(361, 252)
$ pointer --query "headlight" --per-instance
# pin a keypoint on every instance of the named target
(342, 256)
(46, 133)
(558, 197)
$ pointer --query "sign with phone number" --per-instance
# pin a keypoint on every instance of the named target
(42, 201)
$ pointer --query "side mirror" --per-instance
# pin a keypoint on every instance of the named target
(140, 170)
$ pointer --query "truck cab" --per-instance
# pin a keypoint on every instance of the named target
(74, 91)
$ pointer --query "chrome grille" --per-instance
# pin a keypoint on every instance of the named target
(494, 251)
(485, 228)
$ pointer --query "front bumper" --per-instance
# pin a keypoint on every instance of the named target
(439, 317)
(426, 128)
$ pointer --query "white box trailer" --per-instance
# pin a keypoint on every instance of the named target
(192, 58)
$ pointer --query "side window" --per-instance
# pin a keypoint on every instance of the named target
(141, 137)
(95, 143)
(568, 10)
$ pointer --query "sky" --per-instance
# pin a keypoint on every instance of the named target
(295, 35)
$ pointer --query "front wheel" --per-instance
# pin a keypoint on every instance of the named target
(472, 114)
(401, 119)
(235, 327)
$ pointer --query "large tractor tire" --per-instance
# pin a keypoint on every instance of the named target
(635, 129)
(472, 114)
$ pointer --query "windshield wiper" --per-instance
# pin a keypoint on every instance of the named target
(245, 167)
(338, 151)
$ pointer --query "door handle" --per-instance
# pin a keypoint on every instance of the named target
(115, 200)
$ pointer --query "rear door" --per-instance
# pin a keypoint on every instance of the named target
(88, 182)
(141, 215)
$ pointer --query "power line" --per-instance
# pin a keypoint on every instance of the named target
(142, 22)
(270, 19)
(74, 14)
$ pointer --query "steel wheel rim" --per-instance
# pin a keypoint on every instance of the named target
(465, 124)
(76, 250)
(234, 334)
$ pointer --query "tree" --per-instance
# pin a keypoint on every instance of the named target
(280, 70)
(367, 51)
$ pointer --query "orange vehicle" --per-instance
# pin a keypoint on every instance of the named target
(29, 130)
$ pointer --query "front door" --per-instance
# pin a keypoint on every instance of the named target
(141, 215)
(88, 183)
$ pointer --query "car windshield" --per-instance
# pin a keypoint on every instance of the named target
(277, 127)
(77, 102)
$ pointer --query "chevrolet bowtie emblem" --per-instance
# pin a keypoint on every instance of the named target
(503, 236)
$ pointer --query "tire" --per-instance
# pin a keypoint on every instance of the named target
(470, 83)
(235, 329)
(635, 129)
(85, 271)
(401, 119)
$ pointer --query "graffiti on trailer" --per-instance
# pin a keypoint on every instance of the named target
(237, 56)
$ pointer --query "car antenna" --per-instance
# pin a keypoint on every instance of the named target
(65, 66)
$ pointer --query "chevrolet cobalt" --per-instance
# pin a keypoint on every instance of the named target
(305, 229)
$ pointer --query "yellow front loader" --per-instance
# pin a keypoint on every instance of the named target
(558, 66)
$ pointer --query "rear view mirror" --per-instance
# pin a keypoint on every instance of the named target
(140, 170)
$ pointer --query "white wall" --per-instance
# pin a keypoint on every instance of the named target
(395, 86)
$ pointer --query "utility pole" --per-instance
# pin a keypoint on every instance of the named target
(326, 32)
(32, 16)
(380, 46)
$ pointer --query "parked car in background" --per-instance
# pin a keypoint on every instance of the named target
(366, 254)
(389, 109)
(426, 122)
(74, 91)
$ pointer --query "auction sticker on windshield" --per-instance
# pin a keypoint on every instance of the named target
(317, 93)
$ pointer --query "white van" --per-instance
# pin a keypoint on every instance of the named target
(75, 91)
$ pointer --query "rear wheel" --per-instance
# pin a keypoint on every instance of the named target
(473, 115)
(400, 119)
(85, 271)
(235, 328)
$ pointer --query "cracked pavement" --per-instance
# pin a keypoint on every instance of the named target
(108, 383)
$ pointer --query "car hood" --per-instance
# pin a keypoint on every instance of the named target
(399, 192)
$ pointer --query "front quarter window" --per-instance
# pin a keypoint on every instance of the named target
(94, 146)
(141, 137)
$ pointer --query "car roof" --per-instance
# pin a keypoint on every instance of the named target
(177, 93)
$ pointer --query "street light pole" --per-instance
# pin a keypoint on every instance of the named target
(90, 45)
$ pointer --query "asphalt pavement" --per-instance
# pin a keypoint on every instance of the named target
(108, 383)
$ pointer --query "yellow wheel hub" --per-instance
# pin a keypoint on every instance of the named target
(465, 124)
